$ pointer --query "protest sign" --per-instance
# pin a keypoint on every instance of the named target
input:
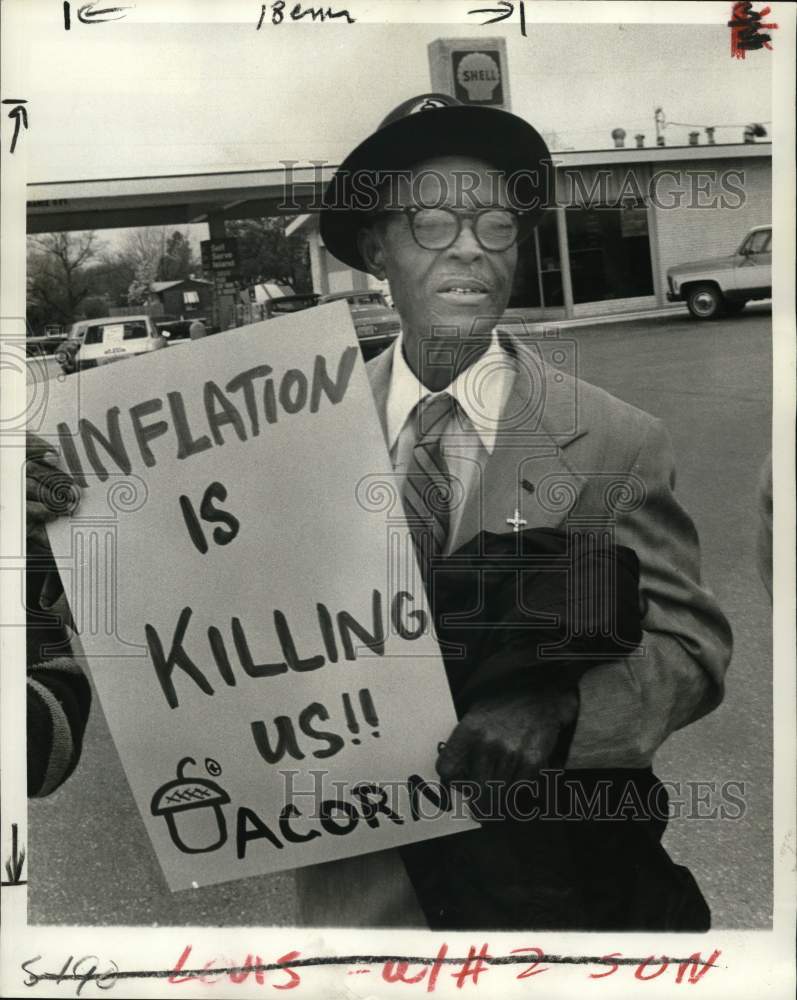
(248, 621)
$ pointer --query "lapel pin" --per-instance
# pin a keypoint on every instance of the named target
(516, 521)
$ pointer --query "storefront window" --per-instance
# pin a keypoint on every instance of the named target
(526, 287)
(609, 253)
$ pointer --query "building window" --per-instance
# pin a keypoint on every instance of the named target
(533, 277)
(609, 252)
(191, 298)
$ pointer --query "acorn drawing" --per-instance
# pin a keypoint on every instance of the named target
(192, 798)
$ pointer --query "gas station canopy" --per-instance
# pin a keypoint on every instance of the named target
(179, 199)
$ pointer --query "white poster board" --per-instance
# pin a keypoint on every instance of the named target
(240, 603)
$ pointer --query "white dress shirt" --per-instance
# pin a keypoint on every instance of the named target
(470, 434)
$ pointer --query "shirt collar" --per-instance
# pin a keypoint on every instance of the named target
(481, 391)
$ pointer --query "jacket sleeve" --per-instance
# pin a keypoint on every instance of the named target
(629, 707)
(58, 692)
(58, 701)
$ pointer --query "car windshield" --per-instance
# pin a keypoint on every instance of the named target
(757, 242)
(180, 331)
(357, 299)
(115, 331)
(290, 305)
(374, 299)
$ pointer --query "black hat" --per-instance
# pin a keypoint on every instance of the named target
(427, 126)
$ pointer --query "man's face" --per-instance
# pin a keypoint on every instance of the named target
(461, 284)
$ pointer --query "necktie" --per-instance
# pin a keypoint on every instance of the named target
(427, 489)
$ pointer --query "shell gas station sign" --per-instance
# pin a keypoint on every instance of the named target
(474, 70)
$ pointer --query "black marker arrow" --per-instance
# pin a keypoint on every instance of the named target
(16, 862)
(88, 15)
(506, 10)
(19, 115)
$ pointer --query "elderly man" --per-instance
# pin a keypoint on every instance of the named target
(444, 193)
(456, 188)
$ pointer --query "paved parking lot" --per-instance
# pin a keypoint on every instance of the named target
(91, 862)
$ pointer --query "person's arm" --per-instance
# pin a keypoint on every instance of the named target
(58, 702)
(622, 711)
(630, 706)
(58, 692)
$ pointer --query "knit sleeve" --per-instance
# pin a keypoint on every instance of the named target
(58, 702)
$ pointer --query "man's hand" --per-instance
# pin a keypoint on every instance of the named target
(507, 738)
(50, 492)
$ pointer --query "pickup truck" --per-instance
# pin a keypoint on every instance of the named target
(723, 285)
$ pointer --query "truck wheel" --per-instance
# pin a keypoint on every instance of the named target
(705, 301)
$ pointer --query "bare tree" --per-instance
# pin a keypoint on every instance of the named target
(58, 279)
(144, 245)
(143, 249)
(155, 253)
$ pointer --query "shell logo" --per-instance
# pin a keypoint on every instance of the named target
(479, 74)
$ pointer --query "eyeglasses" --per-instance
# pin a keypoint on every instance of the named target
(495, 229)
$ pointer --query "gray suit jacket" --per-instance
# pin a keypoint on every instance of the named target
(568, 450)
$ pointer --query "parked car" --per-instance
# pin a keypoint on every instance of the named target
(289, 304)
(114, 338)
(40, 347)
(176, 331)
(377, 325)
(723, 285)
(66, 352)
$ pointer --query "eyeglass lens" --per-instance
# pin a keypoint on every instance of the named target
(438, 228)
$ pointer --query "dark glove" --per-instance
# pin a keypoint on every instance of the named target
(50, 492)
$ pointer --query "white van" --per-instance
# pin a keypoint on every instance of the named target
(112, 338)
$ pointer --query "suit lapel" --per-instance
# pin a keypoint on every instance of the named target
(528, 470)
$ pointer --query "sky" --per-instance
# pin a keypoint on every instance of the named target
(139, 99)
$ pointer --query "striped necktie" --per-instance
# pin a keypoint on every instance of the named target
(427, 488)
